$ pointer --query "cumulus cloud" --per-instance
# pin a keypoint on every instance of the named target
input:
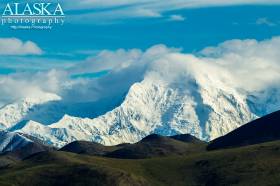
(124, 67)
(108, 60)
(254, 65)
(21, 85)
(14, 46)
(247, 65)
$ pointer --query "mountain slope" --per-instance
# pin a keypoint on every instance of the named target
(89, 148)
(187, 138)
(151, 146)
(18, 146)
(167, 93)
(261, 130)
(14, 113)
(205, 107)
(251, 165)
(157, 146)
(10, 141)
(157, 160)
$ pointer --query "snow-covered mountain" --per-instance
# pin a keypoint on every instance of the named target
(153, 107)
(20, 110)
(11, 141)
(185, 96)
(20, 146)
(165, 102)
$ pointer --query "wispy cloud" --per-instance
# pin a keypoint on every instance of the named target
(97, 10)
(158, 4)
(177, 18)
(266, 21)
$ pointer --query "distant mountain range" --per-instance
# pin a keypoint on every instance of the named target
(246, 156)
(193, 103)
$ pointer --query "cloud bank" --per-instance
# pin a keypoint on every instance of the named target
(246, 65)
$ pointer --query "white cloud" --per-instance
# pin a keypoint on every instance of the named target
(248, 65)
(17, 87)
(254, 65)
(177, 18)
(108, 60)
(119, 59)
(14, 46)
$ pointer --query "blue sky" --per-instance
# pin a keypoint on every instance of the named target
(191, 28)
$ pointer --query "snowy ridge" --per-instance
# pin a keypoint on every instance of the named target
(14, 113)
(10, 141)
(206, 107)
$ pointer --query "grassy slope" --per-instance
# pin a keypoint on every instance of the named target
(258, 131)
(252, 165)
(89, 148)
(157, 146)
(152, 146)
